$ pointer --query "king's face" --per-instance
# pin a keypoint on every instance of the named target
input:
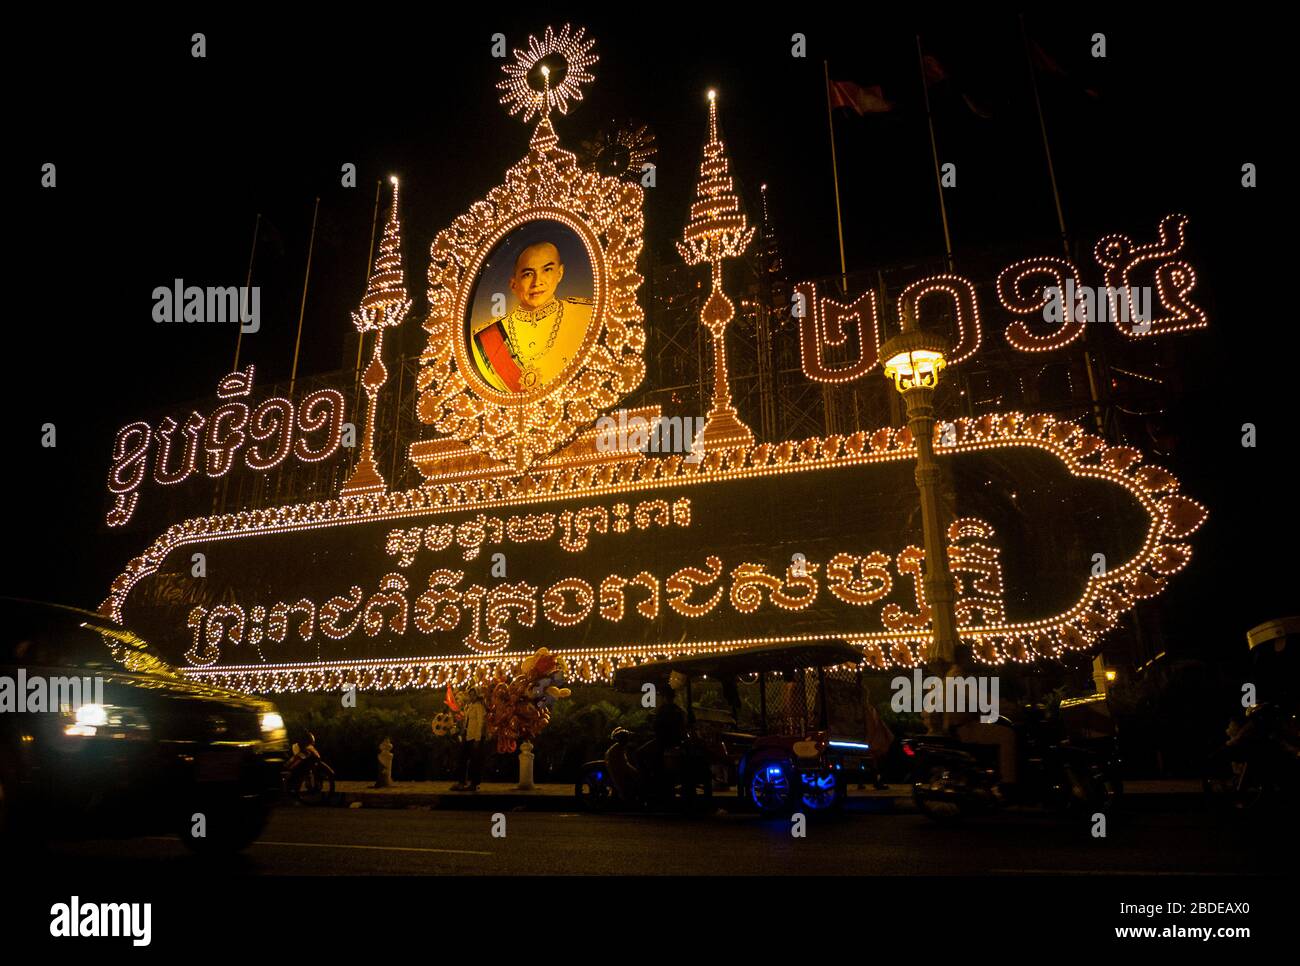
(538, 271)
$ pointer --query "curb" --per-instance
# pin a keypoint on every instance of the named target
(460, 801)
(534, 802)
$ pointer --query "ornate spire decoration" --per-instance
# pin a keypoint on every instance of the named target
(717, 229)
(494, 430)
(384, 305)
(568, 53)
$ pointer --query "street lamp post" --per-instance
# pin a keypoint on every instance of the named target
(913, 359)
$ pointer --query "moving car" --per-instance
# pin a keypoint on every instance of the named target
(100, 737)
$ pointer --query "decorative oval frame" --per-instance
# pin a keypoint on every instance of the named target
(520, 430)
(600, 281)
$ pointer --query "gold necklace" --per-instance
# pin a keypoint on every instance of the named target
(550, 341)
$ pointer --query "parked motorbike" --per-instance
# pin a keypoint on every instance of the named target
(307, 777)
(1258, 767)
(952, 780)
(630, 777)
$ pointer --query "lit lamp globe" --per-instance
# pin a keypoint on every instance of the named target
(914, 359)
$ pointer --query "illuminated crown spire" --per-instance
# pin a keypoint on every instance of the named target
(385, 302)
(717, 228)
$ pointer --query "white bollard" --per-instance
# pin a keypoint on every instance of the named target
(526, 766)
(385, 779)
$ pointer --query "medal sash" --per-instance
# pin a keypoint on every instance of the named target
(497, 352)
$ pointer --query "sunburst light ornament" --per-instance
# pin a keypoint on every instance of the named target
(621, 150)
(550, 72)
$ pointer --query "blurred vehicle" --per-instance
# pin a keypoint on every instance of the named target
(1258, 767)
(139, 750)
(625, 780)
(1067, 763)
(805, 738)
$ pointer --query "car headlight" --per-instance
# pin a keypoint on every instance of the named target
(273, 726)
(106, 721)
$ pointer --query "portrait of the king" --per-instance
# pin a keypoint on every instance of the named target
(547, 313)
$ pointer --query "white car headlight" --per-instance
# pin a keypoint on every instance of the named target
(106, 721)
(273, 726)
(92, 715)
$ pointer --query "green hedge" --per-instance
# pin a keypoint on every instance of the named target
(348, 738)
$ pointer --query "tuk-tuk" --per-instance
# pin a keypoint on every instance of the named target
(785, 723)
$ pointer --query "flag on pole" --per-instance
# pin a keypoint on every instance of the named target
(935, 74)
(1044, 62)
(928, 70)
(976, 108)
(863, 100)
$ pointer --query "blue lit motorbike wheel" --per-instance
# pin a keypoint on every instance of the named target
(593, 790)
(822, 791)
(772, 788)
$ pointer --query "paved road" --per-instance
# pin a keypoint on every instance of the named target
(333, 841)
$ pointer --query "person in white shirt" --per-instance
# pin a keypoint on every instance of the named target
(469, 760)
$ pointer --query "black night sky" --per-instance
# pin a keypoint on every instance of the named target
(164, 161)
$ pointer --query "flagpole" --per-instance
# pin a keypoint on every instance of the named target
(361, 339)
(302, 308)
(1094, 390)
(934, 150)
(835, 176)
(1042, 127)
(248, 281)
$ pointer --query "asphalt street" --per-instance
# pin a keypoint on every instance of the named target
(420, 841)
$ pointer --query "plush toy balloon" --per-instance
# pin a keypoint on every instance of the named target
(519, 707)
(443, 724)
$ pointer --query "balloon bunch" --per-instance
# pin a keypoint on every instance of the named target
(519, 707)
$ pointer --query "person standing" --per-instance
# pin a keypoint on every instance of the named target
(469, 762)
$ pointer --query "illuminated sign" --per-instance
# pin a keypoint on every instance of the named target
(1055, 536)
(234, 435)
(531, 530)
(1029, 292)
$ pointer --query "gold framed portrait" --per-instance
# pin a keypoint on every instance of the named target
(530, 312)
(534, 326)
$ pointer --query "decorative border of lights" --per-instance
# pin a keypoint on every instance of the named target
(607, 214)
(1164, 552)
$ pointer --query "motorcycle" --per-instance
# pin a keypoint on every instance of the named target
(1259, 765)
(307, 778)
(629, 777)
(952, 780)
